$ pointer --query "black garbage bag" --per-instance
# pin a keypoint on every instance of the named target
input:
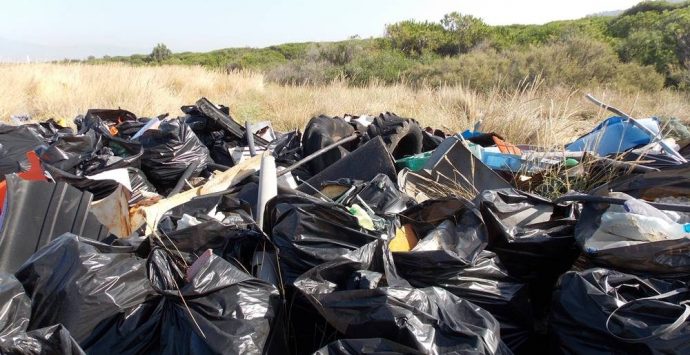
(309, 232)
(673, 181)
(245, 248)
(15, 310)
(116, 302)
(600, 311)
(91, 152)
(212, 135)
(226, 311)
(127, 129)
(665, 258)
(168, 152)
(533, 238)
(372, 346)
(382, 195)
(15, 142)
(322, 131)
(140, 185)
(353, 297)
(403, 136)
(426, 216)
(79, 283)
(55, 339)
(15, 307)
(452, 256)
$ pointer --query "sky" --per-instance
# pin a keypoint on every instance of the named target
(73, 28)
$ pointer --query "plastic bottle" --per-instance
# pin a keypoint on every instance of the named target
(640, 227)
(640, 207)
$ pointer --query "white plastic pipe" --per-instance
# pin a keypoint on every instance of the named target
(268, 185)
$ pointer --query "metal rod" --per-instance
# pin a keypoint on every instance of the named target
(619, 201)
(318, 153)
(250, 138)
(627, 164)
(655, 136)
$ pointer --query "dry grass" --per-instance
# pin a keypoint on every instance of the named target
(532, 115)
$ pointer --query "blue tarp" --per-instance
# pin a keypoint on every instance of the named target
(614, 135)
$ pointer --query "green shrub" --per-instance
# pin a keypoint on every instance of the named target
(302, 72)
(572, 62)
(386, 67)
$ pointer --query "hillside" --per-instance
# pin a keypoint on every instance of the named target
(646, 47)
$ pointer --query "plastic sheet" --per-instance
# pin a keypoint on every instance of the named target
(600, 311)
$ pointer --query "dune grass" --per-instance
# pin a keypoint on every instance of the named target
(531, 114)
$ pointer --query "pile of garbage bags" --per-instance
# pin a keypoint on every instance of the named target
(360, 235)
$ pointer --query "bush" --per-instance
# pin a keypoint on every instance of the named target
(386, 67)
(303, 72)
(571, 62)
(416, 38)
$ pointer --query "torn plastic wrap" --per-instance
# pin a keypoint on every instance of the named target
(532, 236)
(309, 232)
(354, 299)
(168, 152)
(115, 302)
(600, 311)
(451, 256)
(373, 346)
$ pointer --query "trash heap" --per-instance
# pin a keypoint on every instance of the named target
(362, 234)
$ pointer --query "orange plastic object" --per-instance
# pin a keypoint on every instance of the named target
(505, 147)
(35, 172)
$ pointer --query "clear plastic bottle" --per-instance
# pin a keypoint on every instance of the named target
(640, 207)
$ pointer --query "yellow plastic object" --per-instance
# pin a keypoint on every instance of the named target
(405, 239)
